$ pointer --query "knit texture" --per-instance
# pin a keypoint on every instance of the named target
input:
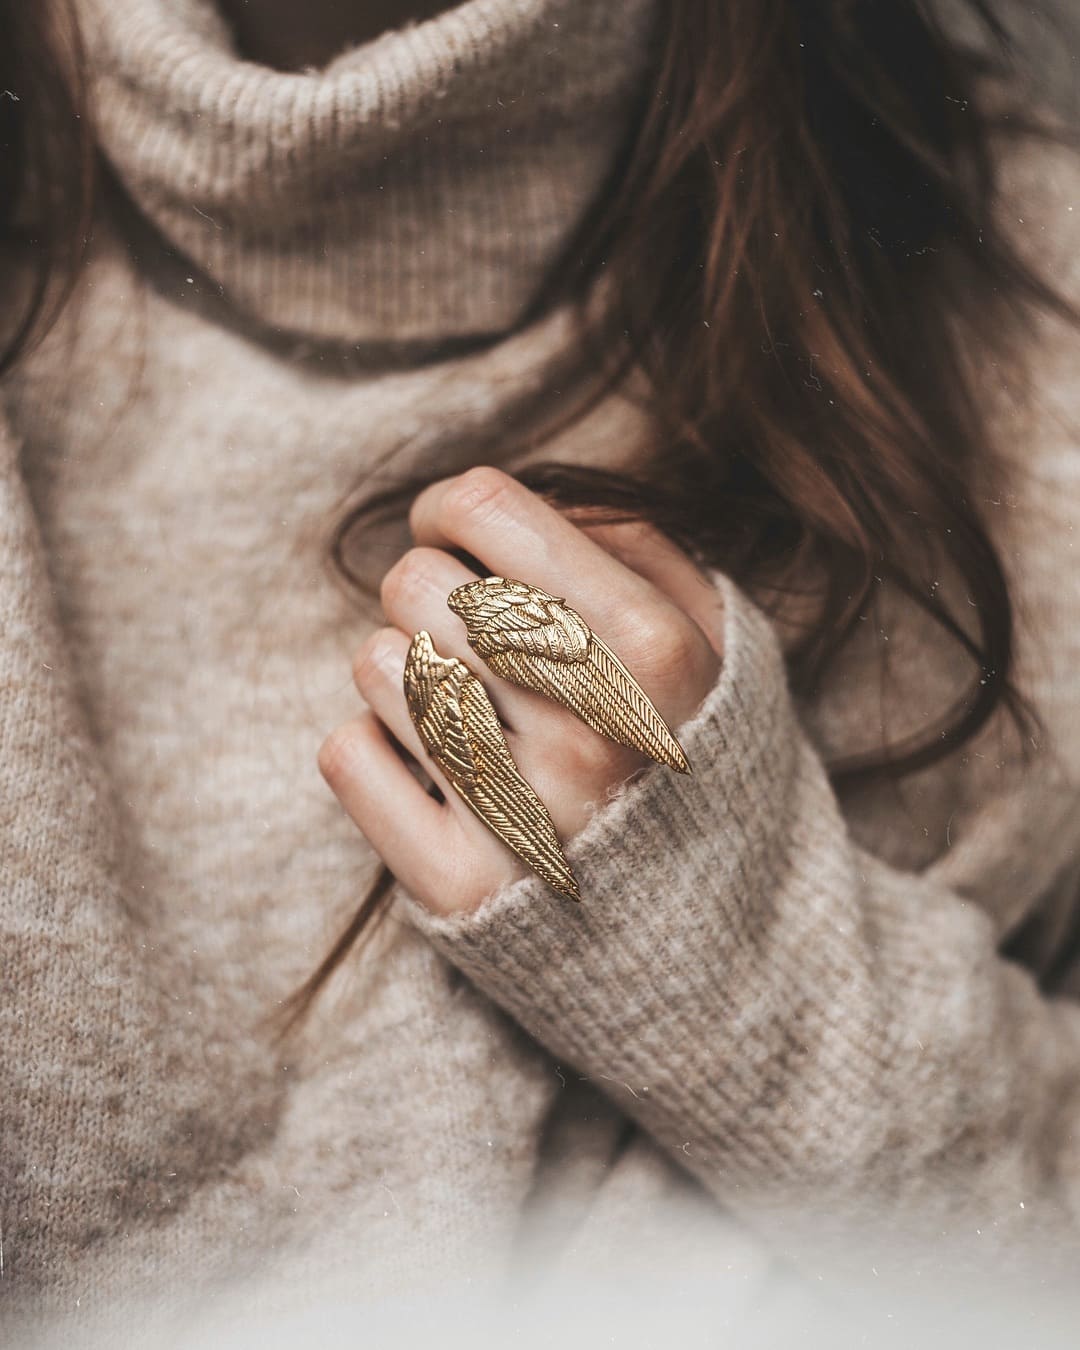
(777, 1021)
(422, 186)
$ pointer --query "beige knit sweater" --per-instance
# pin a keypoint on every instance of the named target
(778, 1022)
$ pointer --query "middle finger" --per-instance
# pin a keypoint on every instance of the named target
(516, 534)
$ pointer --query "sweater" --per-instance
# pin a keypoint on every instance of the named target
(784, 1032)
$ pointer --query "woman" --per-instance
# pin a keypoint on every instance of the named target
(745, 275)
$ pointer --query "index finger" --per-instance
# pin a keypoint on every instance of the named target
(514, 533)
(519, 536)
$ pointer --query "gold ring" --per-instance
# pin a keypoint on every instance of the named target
(459, 728)
(537, 641)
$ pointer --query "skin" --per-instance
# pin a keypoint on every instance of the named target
(643, 596)
(290, 36)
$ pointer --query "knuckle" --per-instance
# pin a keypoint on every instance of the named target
(592, 757)
(410, 576)
(476, 496)
(338, 753)
(584, 767)
(374, 658)
(664, 650)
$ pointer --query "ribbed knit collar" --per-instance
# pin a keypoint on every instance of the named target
(420, 187)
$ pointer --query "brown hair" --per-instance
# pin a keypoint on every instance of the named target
(801, 252)
(46, 164)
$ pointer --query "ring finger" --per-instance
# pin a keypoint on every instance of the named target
(378, 672)
(414, 594)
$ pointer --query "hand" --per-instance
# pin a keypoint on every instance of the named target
(633, 587)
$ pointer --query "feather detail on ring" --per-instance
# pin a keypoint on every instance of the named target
(537, 641)
(460, 729)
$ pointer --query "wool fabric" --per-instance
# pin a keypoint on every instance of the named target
(779, 1017)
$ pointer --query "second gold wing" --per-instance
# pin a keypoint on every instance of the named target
(537, 641)
(460, 729)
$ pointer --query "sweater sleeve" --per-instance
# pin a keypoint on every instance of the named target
(810, 1031)
(828, 1041)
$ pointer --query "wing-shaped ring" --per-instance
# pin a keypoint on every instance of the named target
(537, 641)
(459, 728)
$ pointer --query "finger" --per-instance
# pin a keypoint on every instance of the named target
(516, 534)
(650, 553)
(414, 594)
(388, 805)
(379, 670)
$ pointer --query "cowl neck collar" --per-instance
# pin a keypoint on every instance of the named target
(420, 187)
